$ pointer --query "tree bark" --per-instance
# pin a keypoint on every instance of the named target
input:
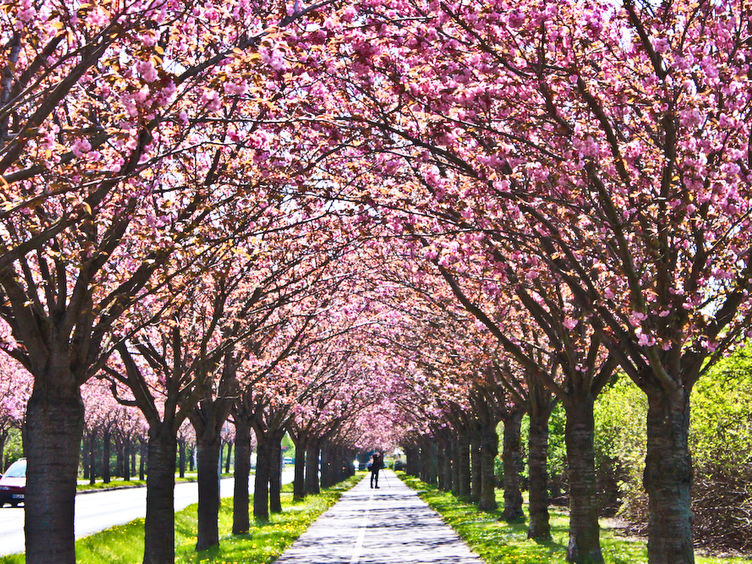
(433, 463)
(181, 458)
(240, 505)
(207, 454)
(584, 531)
(668, 477)
(159, 526)
(126, 460)
(92, 460)
(463, 451)
(106, 457)
(456, 481)
(489, 448)
(326, 465)
(298, 484)
(53, 430)
(512, 461)
(119, 471)
(539, 527)
(261, 482)
(422, 456)
(84, 454)
(411, 464)
(133, 457)
(446, 465)
(312, 466)
(475, 466)
(275, 473)
(142, 459)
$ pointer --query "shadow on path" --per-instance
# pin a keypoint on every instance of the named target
(379, 526)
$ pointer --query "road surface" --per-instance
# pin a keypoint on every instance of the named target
(101, 510)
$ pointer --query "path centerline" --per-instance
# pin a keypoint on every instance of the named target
(389, 525)
(362, 533)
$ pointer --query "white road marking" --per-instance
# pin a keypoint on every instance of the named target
(358, 549)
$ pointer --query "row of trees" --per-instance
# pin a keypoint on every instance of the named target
(579, 168)
(196, 200)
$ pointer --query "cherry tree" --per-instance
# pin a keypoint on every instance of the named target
(605, 145)
(105, 114)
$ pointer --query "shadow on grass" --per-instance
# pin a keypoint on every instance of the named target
(267, 539)
(490, 536)
(124, 544)
(499, 542)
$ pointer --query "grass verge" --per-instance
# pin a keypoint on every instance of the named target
(118, 483)
(264, 543)
(498, 542)
(113, 484)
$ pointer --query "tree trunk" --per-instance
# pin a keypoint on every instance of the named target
(261, 483)
(584, 531)
(475, 466)
(489, 448)
(142, 459)
(298, 484)
(441, 465)
(446, 465)
(240, 506)
(133, 457)
(106, 457)
(207, 451)
(456, 465)
(463, 452)
(668, 478)
(326, 466)
(312, 467)
(126, 460)
(512, 461)
(411, 464)
(275, 474)
(119, 471)
(433, 463)
(181, 458)
(425, 459)
(229, 456)
(92, 460)
(540, 411)
(84, 455)
(53, 430)
(159, 526)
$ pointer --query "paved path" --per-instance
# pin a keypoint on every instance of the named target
(389, 525)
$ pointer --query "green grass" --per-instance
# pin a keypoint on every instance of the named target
(499, 542)
(119, 483)
(264, 543)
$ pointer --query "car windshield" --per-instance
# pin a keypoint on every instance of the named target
(16, 470)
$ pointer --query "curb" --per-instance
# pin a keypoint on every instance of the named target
(95, 490)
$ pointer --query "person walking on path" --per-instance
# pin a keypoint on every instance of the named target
(376, 464)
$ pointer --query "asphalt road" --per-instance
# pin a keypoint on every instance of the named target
(101, 510)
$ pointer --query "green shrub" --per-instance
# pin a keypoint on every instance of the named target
(720, 441)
